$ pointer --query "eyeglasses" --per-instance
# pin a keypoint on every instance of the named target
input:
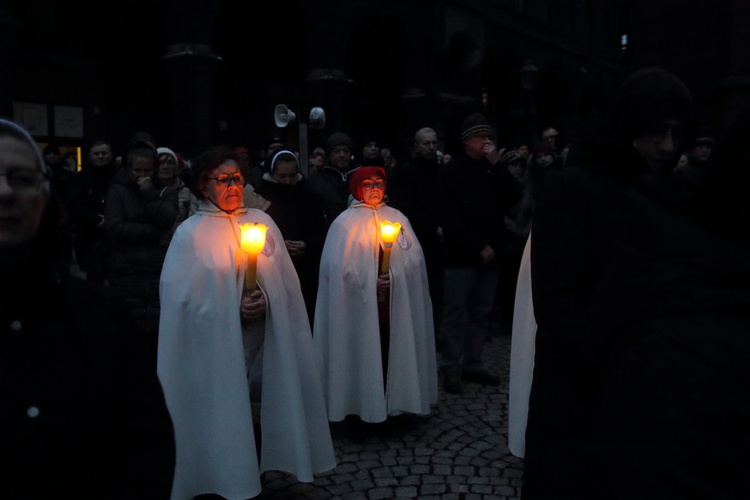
(23, 181)
(226, 180)
(373, 185)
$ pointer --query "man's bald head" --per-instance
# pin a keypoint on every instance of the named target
(425, 143)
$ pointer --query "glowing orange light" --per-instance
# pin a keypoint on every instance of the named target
(388, 233)
(252, 241)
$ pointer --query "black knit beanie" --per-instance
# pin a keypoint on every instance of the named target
(474, 125)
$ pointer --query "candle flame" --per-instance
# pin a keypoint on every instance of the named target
(389, 231)
(253, 237)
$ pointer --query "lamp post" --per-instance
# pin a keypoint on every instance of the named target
(528, 75)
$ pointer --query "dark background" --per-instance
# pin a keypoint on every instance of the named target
(204, 72)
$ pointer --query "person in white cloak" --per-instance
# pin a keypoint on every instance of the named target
(378, 354)
(522, 351)
(219, 349)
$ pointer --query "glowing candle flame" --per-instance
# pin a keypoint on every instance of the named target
(253, 237)
(252, 241)
(389, 231)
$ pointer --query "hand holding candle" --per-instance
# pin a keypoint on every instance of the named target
(388, 233)
(252, 241)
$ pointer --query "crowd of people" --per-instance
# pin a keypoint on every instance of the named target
(628, 313)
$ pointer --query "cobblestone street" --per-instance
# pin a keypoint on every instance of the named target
(458, 452)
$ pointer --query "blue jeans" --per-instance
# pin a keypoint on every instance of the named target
(469, 295)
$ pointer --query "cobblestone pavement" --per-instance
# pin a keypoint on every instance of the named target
(459, 452)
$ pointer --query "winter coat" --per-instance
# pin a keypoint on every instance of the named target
(82, 414)
(300, 217)
(135, 222)
(475, 196)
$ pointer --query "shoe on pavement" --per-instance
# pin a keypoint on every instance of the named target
(482, 376)
(452, 381)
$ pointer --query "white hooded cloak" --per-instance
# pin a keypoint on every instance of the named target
(202, 367)
(347, 333)
(522, 350)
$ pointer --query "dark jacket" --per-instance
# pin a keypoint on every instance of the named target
(475, 196)
(579, 221)
(670, 323)
(331, 186)
(82, 414)
(135, 222)
(300, 217)
(411, 189)
(86, 198)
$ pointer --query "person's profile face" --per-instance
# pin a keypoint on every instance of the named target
(22, 199)
(100, 155)
(426, 145)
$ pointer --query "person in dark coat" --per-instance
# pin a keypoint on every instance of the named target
(412, 191)
(137, 218)
(301, 220)
(82, 414)
(476, 191)
(87, 196)
(671, 316)
(331, 183)
(578, 222)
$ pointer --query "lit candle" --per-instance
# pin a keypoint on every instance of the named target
(388, 233)
(252, 241)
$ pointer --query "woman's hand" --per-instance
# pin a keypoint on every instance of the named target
(253, 306)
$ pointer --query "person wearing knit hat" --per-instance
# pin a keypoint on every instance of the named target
(79, 389)
(331, 183)
(475, 125)
(509, 157)
(168, 164)
(169, 180)
(473, 222)
(365, 309)
(338, 139)
(370, 154)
